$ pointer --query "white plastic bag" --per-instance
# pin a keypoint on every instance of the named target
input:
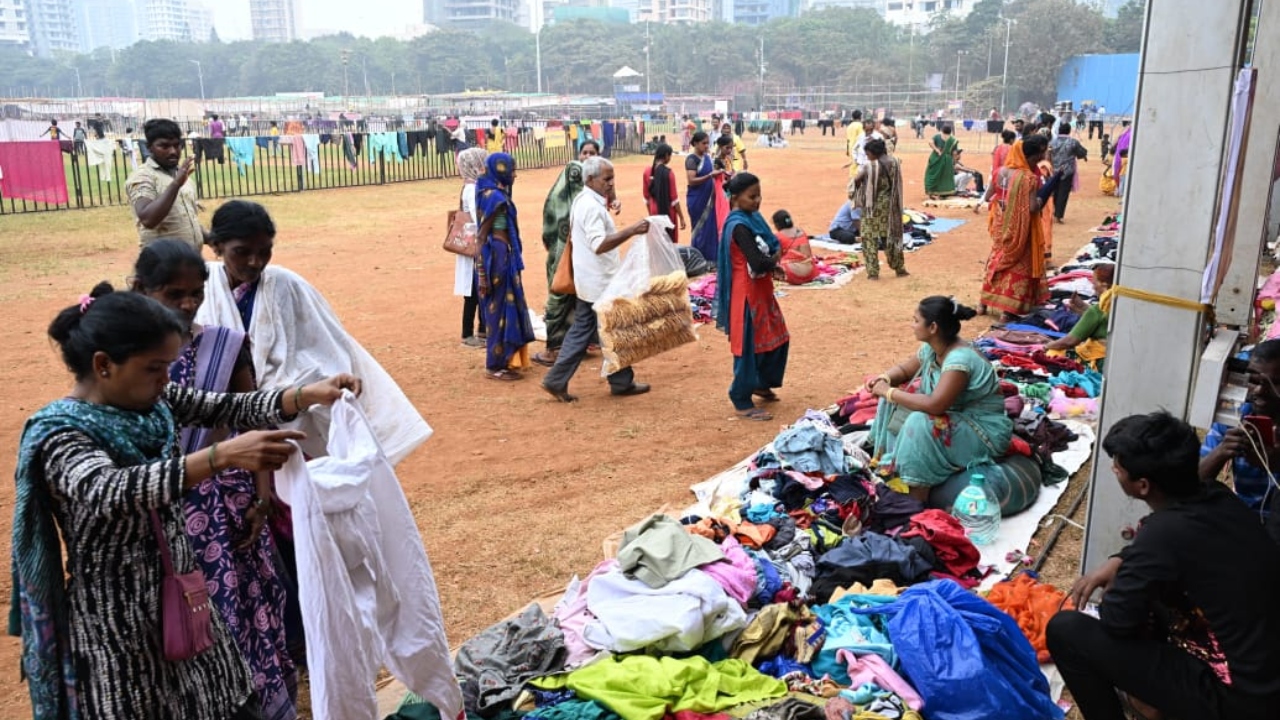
(645, 310)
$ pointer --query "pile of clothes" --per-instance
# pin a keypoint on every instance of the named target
(799, 585)
(1036, 385)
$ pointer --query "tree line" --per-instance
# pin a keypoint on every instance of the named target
(837, 48)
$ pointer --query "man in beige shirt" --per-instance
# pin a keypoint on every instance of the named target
(162, 201)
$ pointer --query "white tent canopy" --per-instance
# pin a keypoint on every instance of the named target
(627, 72)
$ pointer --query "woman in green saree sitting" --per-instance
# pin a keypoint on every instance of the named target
(955, 419)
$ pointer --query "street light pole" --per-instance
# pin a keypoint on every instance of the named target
(537, 54)
(648, 86)
(959, 54)
(199, 69)
(1004, 76)
(760, 108)
(79, 87)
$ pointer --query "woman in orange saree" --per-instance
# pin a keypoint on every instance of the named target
(1015, 278)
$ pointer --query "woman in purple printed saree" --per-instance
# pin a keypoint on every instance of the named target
(226, 515)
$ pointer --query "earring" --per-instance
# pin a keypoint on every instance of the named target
(104, 373)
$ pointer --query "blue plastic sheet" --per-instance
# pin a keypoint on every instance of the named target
(966, 658)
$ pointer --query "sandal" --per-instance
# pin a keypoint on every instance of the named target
(766, 395)
(757, 414)
(504, 375)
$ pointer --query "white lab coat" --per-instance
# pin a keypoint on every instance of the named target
(368, 595)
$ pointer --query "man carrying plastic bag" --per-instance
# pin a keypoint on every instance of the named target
(645, 310)
(593, 244)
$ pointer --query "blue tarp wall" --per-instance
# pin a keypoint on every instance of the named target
(1111, 81)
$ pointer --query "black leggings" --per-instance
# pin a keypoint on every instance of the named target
(470, 309)
(1095, 664)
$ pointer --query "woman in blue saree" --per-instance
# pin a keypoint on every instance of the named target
(226, 515)
(701, 196)
(954, 419)
(506, 314)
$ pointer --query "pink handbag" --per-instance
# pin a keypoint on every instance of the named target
(185, 611)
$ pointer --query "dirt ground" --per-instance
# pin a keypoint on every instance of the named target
(515, 492)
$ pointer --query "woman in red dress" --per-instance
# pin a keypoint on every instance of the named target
(745, 307)
(660, 191)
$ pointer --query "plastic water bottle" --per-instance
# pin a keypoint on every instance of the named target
(978, 510)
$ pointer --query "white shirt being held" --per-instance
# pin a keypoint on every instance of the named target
(591, 224)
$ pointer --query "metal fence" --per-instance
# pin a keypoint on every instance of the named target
(274, 165)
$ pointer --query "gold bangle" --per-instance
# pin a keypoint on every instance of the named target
(297, 400)
(885, 377)
(213, 457)
(889, 395)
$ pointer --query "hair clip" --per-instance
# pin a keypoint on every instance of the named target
(85, 302)
(955, 306)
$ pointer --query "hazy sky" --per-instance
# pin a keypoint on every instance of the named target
(372, 18)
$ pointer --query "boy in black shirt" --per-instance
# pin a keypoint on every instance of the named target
(1190, 615)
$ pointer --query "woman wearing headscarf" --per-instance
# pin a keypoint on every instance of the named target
(705, 186)
(555, 235)
(506, 313)
(877, 193)
(1015, 279)
(745, 306)
(465, 282)
(660, 191)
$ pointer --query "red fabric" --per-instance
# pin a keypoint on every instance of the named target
(1008, 389)
(859, 408)
(1018, 446)
(945, 534)
(768, 328)
(796, 253)
(1056, 363)
(997, 160)
(674, 213)
(33, 171)
(1073, 392)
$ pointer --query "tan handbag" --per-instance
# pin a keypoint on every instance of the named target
(562, 282)
(461, 238)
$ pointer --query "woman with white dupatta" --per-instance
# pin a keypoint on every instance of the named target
(295, 336)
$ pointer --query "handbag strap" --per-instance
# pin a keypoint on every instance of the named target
(165, 557)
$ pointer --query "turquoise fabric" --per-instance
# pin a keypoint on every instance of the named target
(860, 634)
(929, 449)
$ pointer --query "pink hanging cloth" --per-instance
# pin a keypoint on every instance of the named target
(33, 170)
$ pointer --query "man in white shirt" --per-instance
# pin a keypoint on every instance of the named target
(595, 242)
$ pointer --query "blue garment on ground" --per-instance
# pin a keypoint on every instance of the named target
(861, 634)
(808, 449)
(1090, 381)
(966, 658)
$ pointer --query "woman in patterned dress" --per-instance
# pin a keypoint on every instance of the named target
(877, 194)
(500, 268)
(1015, 281)
(102, 467)
(226, 515)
